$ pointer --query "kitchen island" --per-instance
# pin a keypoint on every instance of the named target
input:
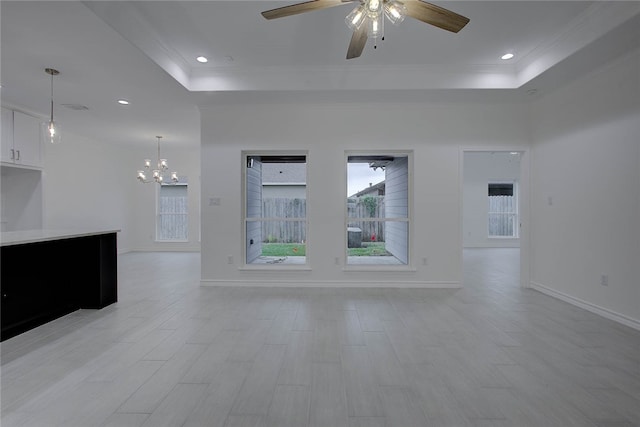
(46, 274)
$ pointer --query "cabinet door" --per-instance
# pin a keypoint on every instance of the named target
(6, 155)
(26, 139)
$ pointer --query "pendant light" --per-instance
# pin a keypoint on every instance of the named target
(50, 129)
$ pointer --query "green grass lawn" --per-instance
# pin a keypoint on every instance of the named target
(369, 249)
(284, 249)
(299, 249)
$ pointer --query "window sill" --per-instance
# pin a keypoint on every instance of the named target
(502, 238)
(172, 241)
(378, 268)
(274, 267)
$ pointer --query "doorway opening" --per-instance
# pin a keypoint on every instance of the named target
(493, 241)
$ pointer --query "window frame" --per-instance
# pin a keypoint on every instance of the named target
(244, 220)
(409, 154)
(182, 183)
(515, 213)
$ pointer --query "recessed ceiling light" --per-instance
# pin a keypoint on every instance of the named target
(202, 59)
(123, 102)
(507, 56)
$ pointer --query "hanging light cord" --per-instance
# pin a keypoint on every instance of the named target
(51, 98)
(52, 72)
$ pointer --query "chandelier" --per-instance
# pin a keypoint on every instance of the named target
(160, 174)
(372, 12)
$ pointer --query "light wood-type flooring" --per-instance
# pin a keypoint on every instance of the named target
(172, 353)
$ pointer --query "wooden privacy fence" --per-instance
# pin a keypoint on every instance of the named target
(284, 231)
(292, 227)
(502, 216)
(172, 218)
(367, 207)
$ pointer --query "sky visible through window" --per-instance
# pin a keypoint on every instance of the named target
(360, 175)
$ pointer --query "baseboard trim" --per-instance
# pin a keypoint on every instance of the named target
(601, 311)
(331, 284)
(167, 248)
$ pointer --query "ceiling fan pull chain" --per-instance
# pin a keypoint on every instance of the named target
(382, 23)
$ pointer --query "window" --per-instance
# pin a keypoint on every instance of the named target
(377, 209)
(503, 209)
(172, 219)
(275, 209)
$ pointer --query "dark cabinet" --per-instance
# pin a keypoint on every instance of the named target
(42, 281)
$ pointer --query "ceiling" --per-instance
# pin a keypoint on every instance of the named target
(145, 52)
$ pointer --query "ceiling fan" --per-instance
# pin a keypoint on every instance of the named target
(367, 19)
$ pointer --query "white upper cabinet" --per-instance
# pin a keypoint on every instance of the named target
(21, 139)
(26, 139)
(7, 135)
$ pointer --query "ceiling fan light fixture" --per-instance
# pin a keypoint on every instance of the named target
(395, 11)
(356, 17)
(372, 13)
(375, 27)
(374, 7)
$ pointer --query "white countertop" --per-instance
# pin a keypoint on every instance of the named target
(9, 238)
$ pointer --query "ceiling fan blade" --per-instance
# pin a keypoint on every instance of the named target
(435, 15)
(307, 6)
(358, 40)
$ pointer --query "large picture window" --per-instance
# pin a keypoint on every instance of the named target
(172, 219)
(275, 209)
(377, 209)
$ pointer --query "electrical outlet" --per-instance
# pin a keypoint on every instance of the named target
(230, 259)
(425, 261)
(604, 280)
(337, 260)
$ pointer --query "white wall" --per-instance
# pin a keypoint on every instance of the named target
(85, 185)
(90, 184)
(481, 168)
(585, 200)
(20, 199)
(435, 132)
